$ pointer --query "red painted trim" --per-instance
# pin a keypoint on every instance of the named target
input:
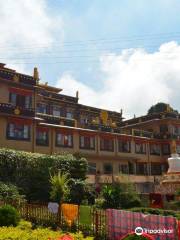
(64, 131)
(20, 121)
(42, 129)
(87, 134)
(20, 91)
(124, 138)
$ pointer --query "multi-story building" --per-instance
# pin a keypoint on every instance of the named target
(36, 117)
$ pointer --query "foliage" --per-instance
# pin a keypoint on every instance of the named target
(59, 186)
(160, 107)
(77, 191)
(24, 225)
(120, 195)
(40, 234)
(9, 216)
(129, 197)
(111, 195)
(9, 193)
(30, 171)
(157, 211)
(135, 237)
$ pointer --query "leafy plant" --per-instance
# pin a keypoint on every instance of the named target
(59, 186)
(76, 191)
(14, 233)
(9, 216)
(30, 171)
(135, 237)
(9, 193)
(111, 195)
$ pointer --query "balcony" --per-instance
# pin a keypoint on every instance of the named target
(57, 120)
(7, 108)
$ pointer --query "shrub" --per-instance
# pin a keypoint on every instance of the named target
(59, 186)
(9, 193)
(120, 196)
(111, 195)
(30, 171)
(135, 237)
(76, 191)
(24, 225)
(129, 200)
(40, 234)
(9, 216)
(157, 211)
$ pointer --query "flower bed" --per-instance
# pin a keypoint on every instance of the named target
(15, 233)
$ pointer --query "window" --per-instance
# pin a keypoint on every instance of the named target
(92, 168)
(84, 120)
(155, 149)
(124, 146)
(166, 149)
(64, 140)
(123, 168)
(108, 169)
(106, 144)
(69, 114)
(163, 128)
(20, 100)
(42, 108)
(131, 168)
(56, 111)
(142, 169)
(13, 99)
(178, 148)
(42, 136)
(87, 142)
(140, 147)
(18, 131)
(156, 169)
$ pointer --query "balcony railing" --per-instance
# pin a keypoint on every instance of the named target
(8, 108)
(57, 120)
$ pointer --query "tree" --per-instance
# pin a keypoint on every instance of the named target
(59, 186)
(161, 107)
(30, 171)
(111, 195)
(9, 193)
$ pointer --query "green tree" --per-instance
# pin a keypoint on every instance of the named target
(111, 195)
(9, 193)
(30, 171)
(59, 186)
(161, 107)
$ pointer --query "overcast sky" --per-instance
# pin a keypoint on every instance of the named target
(118, 54)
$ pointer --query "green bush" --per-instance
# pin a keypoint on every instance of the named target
(77, 191)
(157, 211)
(120, 196)
(9, 193)
(9, 216)
(129, 200)
(24, 225)
(14, 233)
(111, 195)
(30, 171)
(135, 237)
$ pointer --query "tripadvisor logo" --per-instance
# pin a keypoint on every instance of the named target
(139, 231)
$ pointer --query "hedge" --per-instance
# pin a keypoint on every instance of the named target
(157, 211)
(30, 171)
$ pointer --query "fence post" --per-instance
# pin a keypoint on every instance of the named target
(96, 222)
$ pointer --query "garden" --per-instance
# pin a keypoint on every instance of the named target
(47, 197)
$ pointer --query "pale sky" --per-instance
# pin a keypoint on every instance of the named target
(118, 54)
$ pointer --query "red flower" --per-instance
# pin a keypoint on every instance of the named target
(65, 237)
